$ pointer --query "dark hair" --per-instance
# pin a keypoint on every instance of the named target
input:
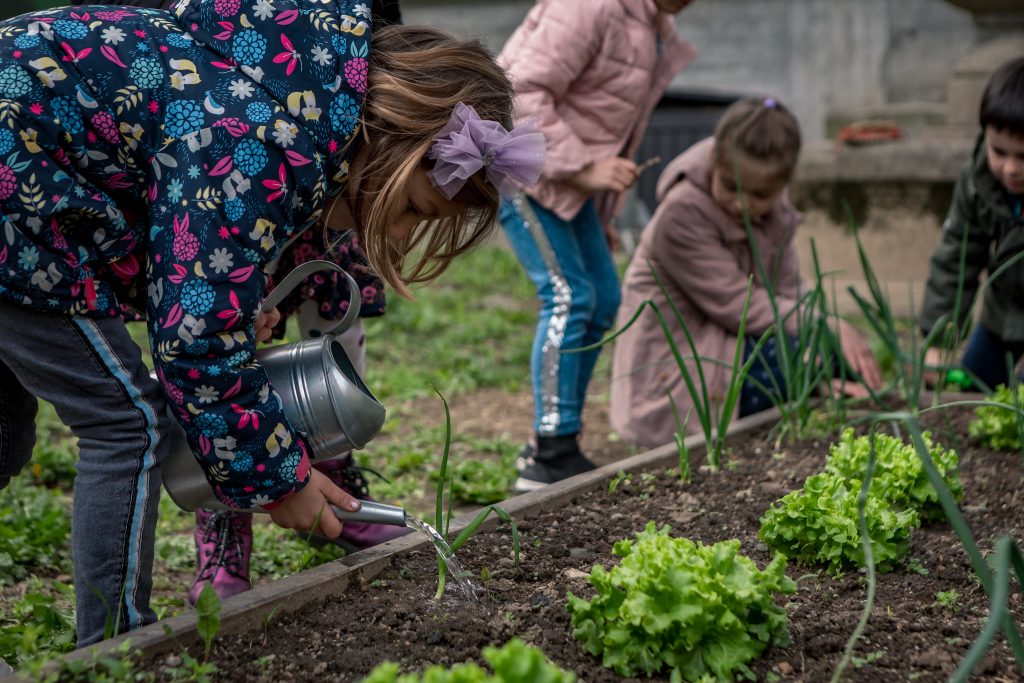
(1002, 104)
(761, 128)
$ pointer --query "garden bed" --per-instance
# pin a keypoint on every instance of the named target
(390, 613)
(910, 636)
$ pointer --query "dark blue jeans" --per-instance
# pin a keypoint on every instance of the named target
(986, 356)
(92, 372)
(572, 268)
(765, 375)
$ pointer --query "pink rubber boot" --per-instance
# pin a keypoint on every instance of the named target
(223, 545)
(356, 535)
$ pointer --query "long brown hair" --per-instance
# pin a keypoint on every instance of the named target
(417, 75)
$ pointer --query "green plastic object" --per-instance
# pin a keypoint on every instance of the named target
(958, 377)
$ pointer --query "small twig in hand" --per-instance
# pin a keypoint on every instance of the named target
(650, 163)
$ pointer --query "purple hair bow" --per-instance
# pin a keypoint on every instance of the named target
(468, 143)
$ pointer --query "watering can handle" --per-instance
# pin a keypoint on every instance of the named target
(304, 270)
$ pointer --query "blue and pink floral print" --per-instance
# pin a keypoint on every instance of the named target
(157, 161)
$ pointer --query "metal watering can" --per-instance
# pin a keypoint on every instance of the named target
(323, 397)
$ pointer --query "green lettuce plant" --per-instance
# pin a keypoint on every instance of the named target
(899, 478)
(516, 662)
(818, 525)
(702, 611)
(994, 425)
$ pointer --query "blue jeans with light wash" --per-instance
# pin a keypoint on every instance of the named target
(92, 372)
(572, 268)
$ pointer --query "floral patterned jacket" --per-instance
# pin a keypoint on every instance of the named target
(157, 161)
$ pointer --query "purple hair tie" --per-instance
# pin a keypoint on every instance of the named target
(770, 102)
(512, 159)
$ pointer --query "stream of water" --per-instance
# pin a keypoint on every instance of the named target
(469, 588)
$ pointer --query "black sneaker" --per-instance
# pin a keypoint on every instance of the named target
(556, 458)
(526, 456)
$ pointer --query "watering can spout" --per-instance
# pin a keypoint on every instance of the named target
(372, 512)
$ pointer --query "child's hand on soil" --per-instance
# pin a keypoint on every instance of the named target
(932, 359)
(309, 509)
(614, 173)
(849, 389)
(860, 357)
(266, 321)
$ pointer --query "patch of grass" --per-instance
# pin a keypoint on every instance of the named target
(410, 464)
(278, 552)
(43, 621)
(446, 336)
(118, 666)
(35, 530)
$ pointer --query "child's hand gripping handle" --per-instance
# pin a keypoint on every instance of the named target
(372, 512)
(304, 270)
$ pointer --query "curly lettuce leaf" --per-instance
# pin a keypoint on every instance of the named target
(818, 525)
(899, 475)
(702, 612)
(995, 426)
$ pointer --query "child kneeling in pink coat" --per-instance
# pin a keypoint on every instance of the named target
(699, 247)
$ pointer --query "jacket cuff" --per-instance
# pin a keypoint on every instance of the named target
(304, 466)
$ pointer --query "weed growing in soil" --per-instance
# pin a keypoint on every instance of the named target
(619, 478)
(701, 611)
(208, 617)
(949, 599)
(679, 438)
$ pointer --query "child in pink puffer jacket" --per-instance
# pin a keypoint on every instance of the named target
(589, 73)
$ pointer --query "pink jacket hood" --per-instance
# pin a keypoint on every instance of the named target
(694, 165)
(589, 73)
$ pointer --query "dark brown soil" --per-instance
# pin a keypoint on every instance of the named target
(908, 638)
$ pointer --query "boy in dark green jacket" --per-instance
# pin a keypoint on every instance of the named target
(985, 226)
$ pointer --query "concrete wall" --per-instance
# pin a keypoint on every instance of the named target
(817, 55)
